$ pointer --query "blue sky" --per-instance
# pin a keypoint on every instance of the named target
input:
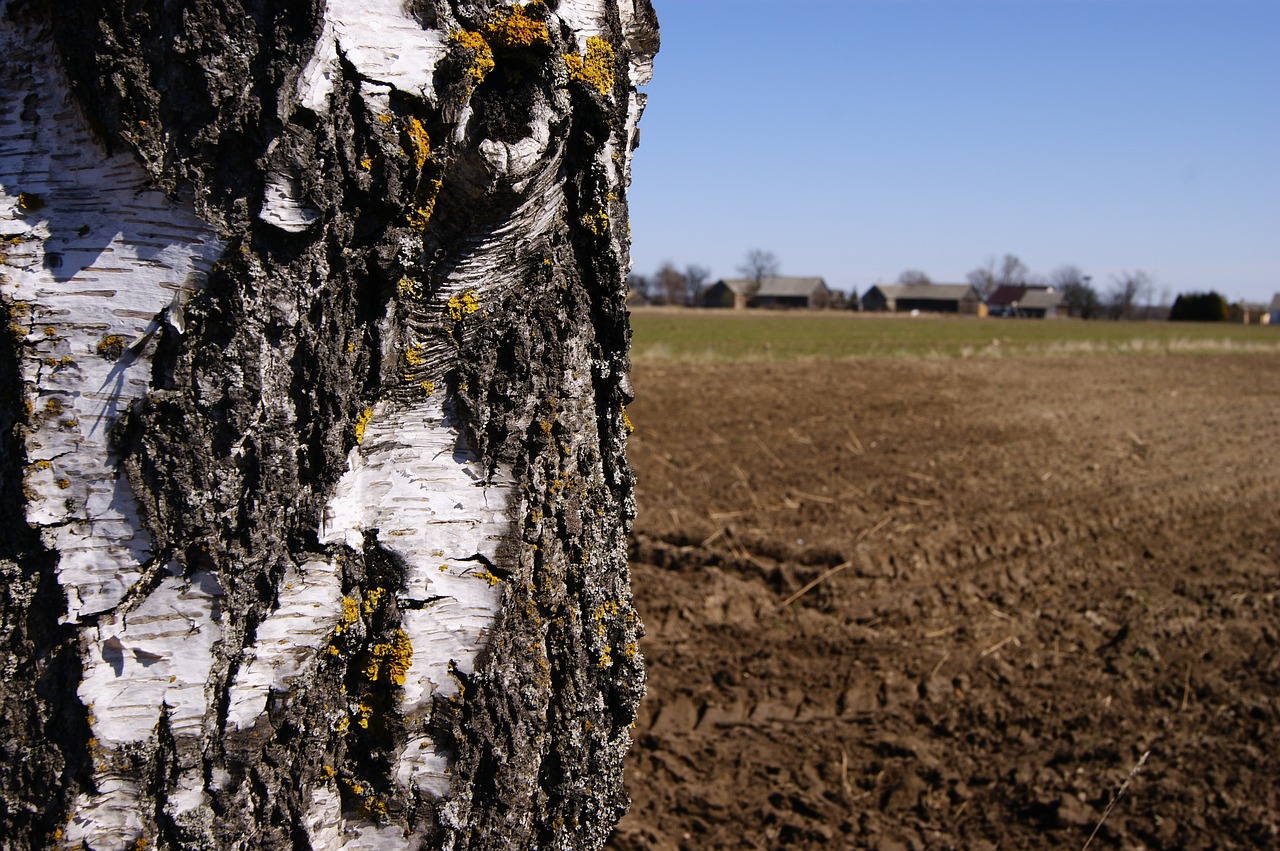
(858, 138)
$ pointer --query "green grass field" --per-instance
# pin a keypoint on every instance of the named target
(683, 335)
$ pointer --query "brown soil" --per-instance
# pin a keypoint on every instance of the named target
(1030, 574)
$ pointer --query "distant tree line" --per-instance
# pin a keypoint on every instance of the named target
(1131, 294)
(669, 285)
(1199, 307)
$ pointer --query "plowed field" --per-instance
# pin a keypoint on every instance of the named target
(1022, 576)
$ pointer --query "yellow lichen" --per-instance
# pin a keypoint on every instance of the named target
(463, 305)
(385, 118)
(111, 346)
(366, 163)
(373, 809)
(42, 464)
(29, 203)
(415, 355)
(326, 772)
(489, 576)
(595, 68)
(512, 27)
(372, 598)
(350, 613)
(53, 407)
(419, 213)
(390, 660)
(64, 483)
(362, 423)
(409, 287)
(597, 221)
(626, 423)
(482, 63)
(428, 387)
(419, 142)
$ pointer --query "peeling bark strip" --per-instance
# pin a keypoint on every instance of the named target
(312, 422)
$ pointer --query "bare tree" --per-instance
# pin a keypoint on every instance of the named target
(1127, 290)
(641, 285)
(1077, 291)
(1013, 272)
(695, 277)
(670, 284)
(914, 276)
(759, 265)
(313, 488)
(1009, 271)
(983, 278)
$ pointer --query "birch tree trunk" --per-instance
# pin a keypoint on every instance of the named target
(314, 498)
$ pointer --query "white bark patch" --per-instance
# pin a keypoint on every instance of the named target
(94, 264)
(586, 18)
(387, 47)
(327, 830)
(515, 160)
(288, 641)
(108, 820)
(416, 483)
(283, 206)
(159, 654)
(92, 258)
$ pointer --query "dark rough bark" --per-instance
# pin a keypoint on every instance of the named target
(241, 439)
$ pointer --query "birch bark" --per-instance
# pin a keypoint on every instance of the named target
(314, 489)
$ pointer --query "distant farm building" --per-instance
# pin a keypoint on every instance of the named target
(1034, 302)
(778, 291)
(1274, 310)
(1251, 313)
(926, 298)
